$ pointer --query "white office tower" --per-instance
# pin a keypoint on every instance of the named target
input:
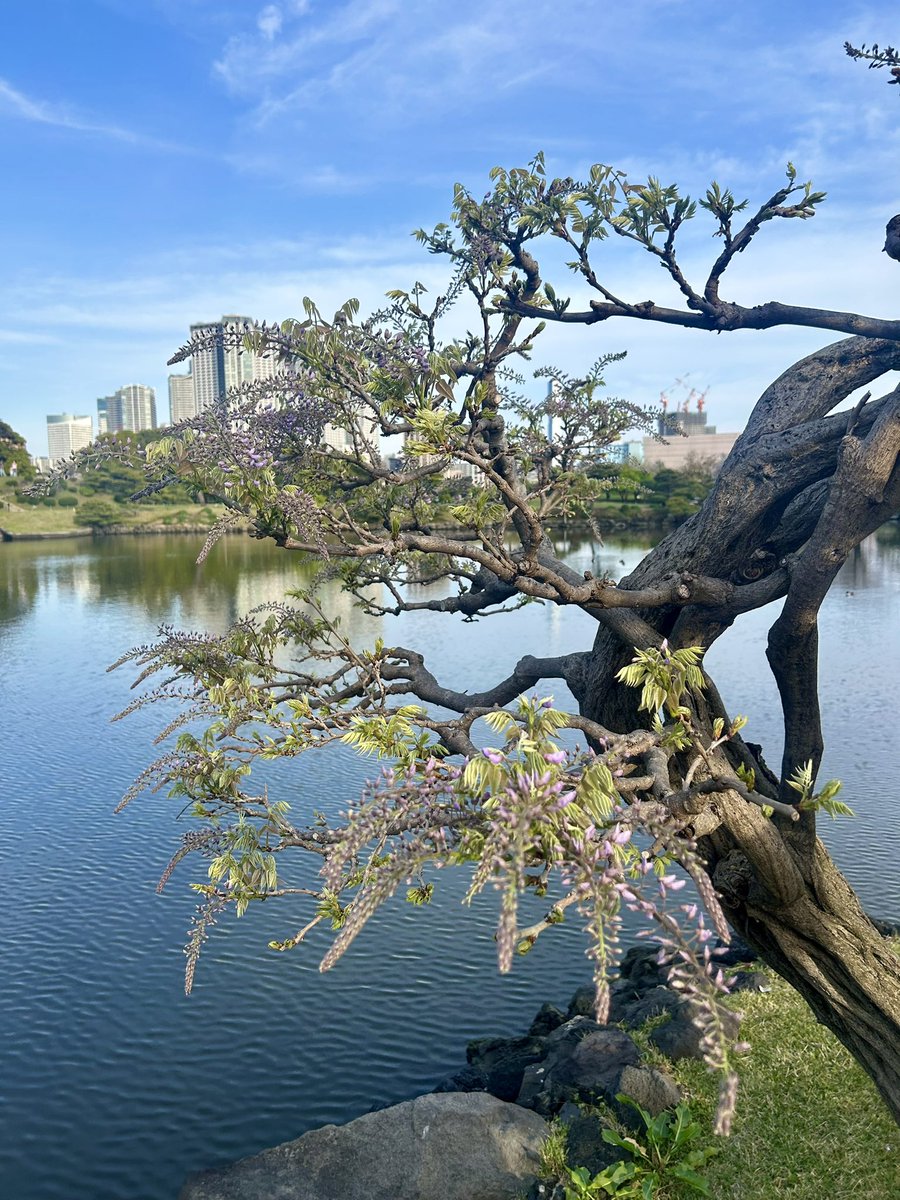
(135, 407)
(218, 367)
(66, 434)
(181, 398)
(243, 366)
(207, 366)
(132, 407)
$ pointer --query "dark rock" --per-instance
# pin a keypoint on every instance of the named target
(569, 1113)
(572, 1031)
(578, 1067)
(503, 1061)
(585, 1146)
(598, 1060)
(449, 1147)
(890, 929)
(537, 1091)
(653, 1003)
(467, 1079)
(681, 1035)
(582, 1003)
(641, 968)
(750, 981)
(548, 1018)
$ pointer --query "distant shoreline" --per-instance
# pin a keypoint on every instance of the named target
(616, 526)
(7, 535)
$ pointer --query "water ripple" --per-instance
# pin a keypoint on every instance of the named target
(113, 1085)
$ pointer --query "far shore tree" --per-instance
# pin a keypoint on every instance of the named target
(14, 457)
(663, 775)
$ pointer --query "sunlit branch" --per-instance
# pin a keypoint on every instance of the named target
(725, 317)
(409, 667)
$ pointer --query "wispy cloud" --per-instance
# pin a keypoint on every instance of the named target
(381, 53)
(269, 22)
(16, 337)
(16, 104)
(359, 74)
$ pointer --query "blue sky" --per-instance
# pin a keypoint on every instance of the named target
(166, 161)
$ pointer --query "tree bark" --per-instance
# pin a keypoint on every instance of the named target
(783, 893)
(826, 948)
(800, 490)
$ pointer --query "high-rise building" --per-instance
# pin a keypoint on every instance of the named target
(208, 366)
(135, 407)
(181, 398)
(132, 407)
(106, 407)
(243, 366)
(66, 434)
(217, 367)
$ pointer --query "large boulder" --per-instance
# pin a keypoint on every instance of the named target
(653, 1090)
(585, 1146)
(437, 1147)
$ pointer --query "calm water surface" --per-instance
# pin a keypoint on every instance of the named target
(113, 1084)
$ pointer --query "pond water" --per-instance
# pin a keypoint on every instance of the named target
(113, 1084)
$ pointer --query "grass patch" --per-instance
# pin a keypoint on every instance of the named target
(41, 519)
(809, 1122)
(38, 519)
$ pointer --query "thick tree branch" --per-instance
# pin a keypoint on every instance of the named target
(865, 491)
(409, 668)
(724, 317)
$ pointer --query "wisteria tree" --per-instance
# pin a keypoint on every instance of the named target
(663, 777)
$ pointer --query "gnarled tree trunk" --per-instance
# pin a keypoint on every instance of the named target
(800, 490)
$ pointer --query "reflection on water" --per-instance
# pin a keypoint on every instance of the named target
(113, 1085)
(157, 575)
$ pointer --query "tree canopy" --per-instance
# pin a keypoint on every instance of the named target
(661, 776)
(13, 452)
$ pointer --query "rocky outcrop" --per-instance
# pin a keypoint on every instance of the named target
(468, 1140)
(436, 1147)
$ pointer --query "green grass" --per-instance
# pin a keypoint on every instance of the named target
(38, 519)
(809, 1122)
(41, 519)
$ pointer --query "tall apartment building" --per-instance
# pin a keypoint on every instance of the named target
(136, 407)
(181, 398)
(132, 407)
(216, 368)
(66, 434)
(105, 407)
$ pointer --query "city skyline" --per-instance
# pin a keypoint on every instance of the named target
(212, 369)
(264, 179)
